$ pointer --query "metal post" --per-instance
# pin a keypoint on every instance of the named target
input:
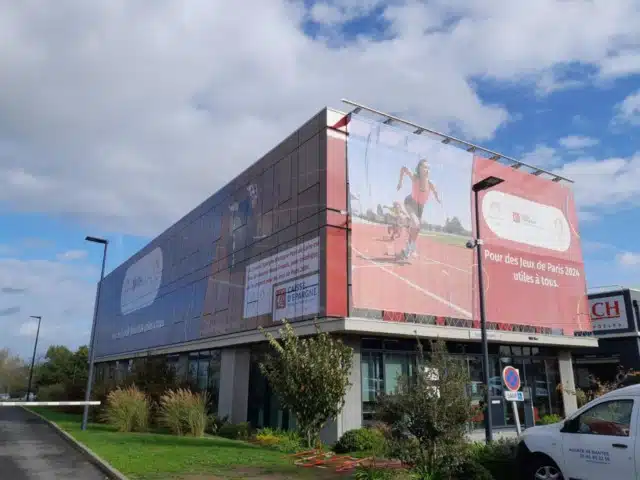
(488, 420)
(33, 359)
(87, 396)
(516, 418)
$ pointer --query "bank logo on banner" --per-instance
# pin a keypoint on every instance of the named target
(298, 298)
(281, 298)
(266, 277)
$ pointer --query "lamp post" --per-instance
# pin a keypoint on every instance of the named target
(87, 395)
(480, 186)
(33, 359)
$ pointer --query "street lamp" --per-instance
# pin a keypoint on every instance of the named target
(87, 395)
(482, 185)
(33, 359)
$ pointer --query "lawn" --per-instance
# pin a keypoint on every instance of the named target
(449, 239)
(157, 456)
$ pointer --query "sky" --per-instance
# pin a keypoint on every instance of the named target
(118, 117)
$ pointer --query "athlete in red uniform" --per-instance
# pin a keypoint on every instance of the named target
(421, 187)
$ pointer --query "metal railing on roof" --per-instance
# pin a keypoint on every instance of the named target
(388, 119)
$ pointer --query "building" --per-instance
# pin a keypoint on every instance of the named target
(615, 317)
(318, 228)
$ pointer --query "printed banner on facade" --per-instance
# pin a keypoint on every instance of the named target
(411, 219)
(298, 298)
(411, 205)
(532, 257)
(261, 276)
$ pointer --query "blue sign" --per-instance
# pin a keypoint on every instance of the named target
(514, 396)
(511, 378)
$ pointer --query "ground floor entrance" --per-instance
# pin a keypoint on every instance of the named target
(379, 362)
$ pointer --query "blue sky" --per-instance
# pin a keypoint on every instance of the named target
(117, 118)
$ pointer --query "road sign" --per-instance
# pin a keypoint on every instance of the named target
(514, 396)
(511, 378)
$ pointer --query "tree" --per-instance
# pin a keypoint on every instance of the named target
(13, 373)
(454, 226)
(426, 416)
(310, 377)
(66, 369)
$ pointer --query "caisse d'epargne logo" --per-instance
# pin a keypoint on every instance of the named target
(281, 298)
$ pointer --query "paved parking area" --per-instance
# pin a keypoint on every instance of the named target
(31, 450)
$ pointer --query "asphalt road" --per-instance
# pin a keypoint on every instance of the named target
(31, 450)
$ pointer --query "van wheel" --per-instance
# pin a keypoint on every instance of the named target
(543, 468)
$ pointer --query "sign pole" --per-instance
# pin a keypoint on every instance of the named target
(516, 418)
(511, 379)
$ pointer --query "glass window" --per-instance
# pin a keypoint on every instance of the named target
(372, 381)
(553, 380)
(536, 379)
(609, 418)
(193, 368)
(264, 409)
(203, 371)
(214, 379)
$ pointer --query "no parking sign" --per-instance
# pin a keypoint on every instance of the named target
(511, 378)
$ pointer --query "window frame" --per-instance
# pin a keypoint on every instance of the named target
(573, 425)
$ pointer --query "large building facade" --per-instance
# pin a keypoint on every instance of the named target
(359, 223)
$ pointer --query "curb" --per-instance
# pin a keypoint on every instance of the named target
(103, 466)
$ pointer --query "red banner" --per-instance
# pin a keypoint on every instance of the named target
(412, 216)
(532, 257)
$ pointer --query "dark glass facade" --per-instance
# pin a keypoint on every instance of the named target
(264, 409)
(200, 369)
(383, 360)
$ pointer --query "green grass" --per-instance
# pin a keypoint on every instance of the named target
(455, 240)
(155, 456)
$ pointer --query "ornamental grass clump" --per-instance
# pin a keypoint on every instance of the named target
(184, 412)
(127, 409)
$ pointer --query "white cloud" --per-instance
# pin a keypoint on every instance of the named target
(28, 329)
(578, 142)
(72, 255)
(620, 65)
(628, 111)
(604, 183)
(148, 108)
(628, 259)
(336, 13)
(542, 156)
(62, 293)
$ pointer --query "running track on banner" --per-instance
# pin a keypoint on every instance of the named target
(436, 282)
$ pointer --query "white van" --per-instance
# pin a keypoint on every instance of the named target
(600, 441)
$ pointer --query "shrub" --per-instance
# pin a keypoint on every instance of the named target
(474, 470)
(283, 441)
(215, 423)
(239, 431)
(549, 419)
(427, 415)
(154, 376)
(100, 392)
(360, 440)
(184, 412)
(310, 376)
(498, 457)
(127, 410)
(52, 393)
(371, 472)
